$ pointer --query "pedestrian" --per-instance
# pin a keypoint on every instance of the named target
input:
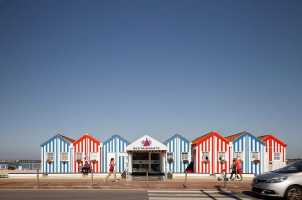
(233, 169)
(111, 170)
(239, 168)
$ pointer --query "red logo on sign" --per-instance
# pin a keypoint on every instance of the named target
(146, 142)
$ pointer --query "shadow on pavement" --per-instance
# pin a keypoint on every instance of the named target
(229, 194)
(257, 196)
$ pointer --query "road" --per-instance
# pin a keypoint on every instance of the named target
(120, 194)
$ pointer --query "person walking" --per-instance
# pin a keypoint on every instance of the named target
(239, 168)
(233, 170)
(111, 170)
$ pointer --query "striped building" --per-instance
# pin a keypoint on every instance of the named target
(177, 145)
(86, 149)
(115, 147)
(211, 153)
(250, 150)
(275, 152)
(56, 155)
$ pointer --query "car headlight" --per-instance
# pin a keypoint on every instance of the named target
(276, 179)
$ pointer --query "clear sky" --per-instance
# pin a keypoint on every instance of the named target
(148, 67)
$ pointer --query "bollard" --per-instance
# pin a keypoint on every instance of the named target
(224, 179)
(91, 177)
(38, 179)
(186, 178)
(147, 178)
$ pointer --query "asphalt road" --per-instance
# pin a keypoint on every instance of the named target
(71, 194)
(120, 194)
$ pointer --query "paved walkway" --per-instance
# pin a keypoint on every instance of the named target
(195, 195)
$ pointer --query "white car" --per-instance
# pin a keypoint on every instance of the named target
(285, 182)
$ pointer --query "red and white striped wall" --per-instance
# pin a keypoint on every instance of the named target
(212, 144)
(274, 145)
(87, 145)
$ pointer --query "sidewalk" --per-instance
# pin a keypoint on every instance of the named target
(142, 184)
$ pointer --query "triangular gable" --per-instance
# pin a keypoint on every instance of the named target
(146, 143)
(234, 136)
(206, 136)
(62, 137)
(68, 139)
(175, 136)
(237, 136)
(266, 137)
(89, 136)
(115, 136)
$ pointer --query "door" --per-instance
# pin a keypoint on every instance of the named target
(155, 163)
(140, 162)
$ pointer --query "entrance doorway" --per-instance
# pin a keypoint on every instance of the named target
(143, 162)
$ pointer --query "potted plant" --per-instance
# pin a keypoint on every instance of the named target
(206, 160)
(256, 161)
(49, 161)
(222, 161)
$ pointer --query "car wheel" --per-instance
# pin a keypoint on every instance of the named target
(293, 193)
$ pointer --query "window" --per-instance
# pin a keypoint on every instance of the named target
(255, 156)
(93, 156)
(277, 156)
(205, 156)
(170, 157)
(64, 156)
(237, 155)
(79, 156)
(50, 156)
(221, 156)
(184, 156)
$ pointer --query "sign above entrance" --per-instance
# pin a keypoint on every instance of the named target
(146, 143)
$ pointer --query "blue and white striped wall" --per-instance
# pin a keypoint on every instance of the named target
(176, 145)
(56, 145)
(246, 144)
(115, 147)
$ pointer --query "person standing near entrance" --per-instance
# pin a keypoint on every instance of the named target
(111, 170)
(239, 168)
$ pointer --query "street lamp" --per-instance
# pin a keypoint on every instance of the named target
(170, 160)
(185, 160)
(92, 170)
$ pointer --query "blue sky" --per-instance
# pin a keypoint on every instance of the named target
(148, 67)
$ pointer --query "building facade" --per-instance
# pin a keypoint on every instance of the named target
(115, 147)
(211, 153)
(275, 152)
(56, 155)
(178, 149)
(250, 150)
(86, 150)
(146, 155)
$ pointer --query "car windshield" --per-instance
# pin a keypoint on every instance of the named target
(292, 168)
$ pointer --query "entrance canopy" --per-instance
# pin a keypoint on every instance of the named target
(146, 143)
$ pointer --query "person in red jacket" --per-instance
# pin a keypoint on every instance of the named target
(239, 167)
(111, 170)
